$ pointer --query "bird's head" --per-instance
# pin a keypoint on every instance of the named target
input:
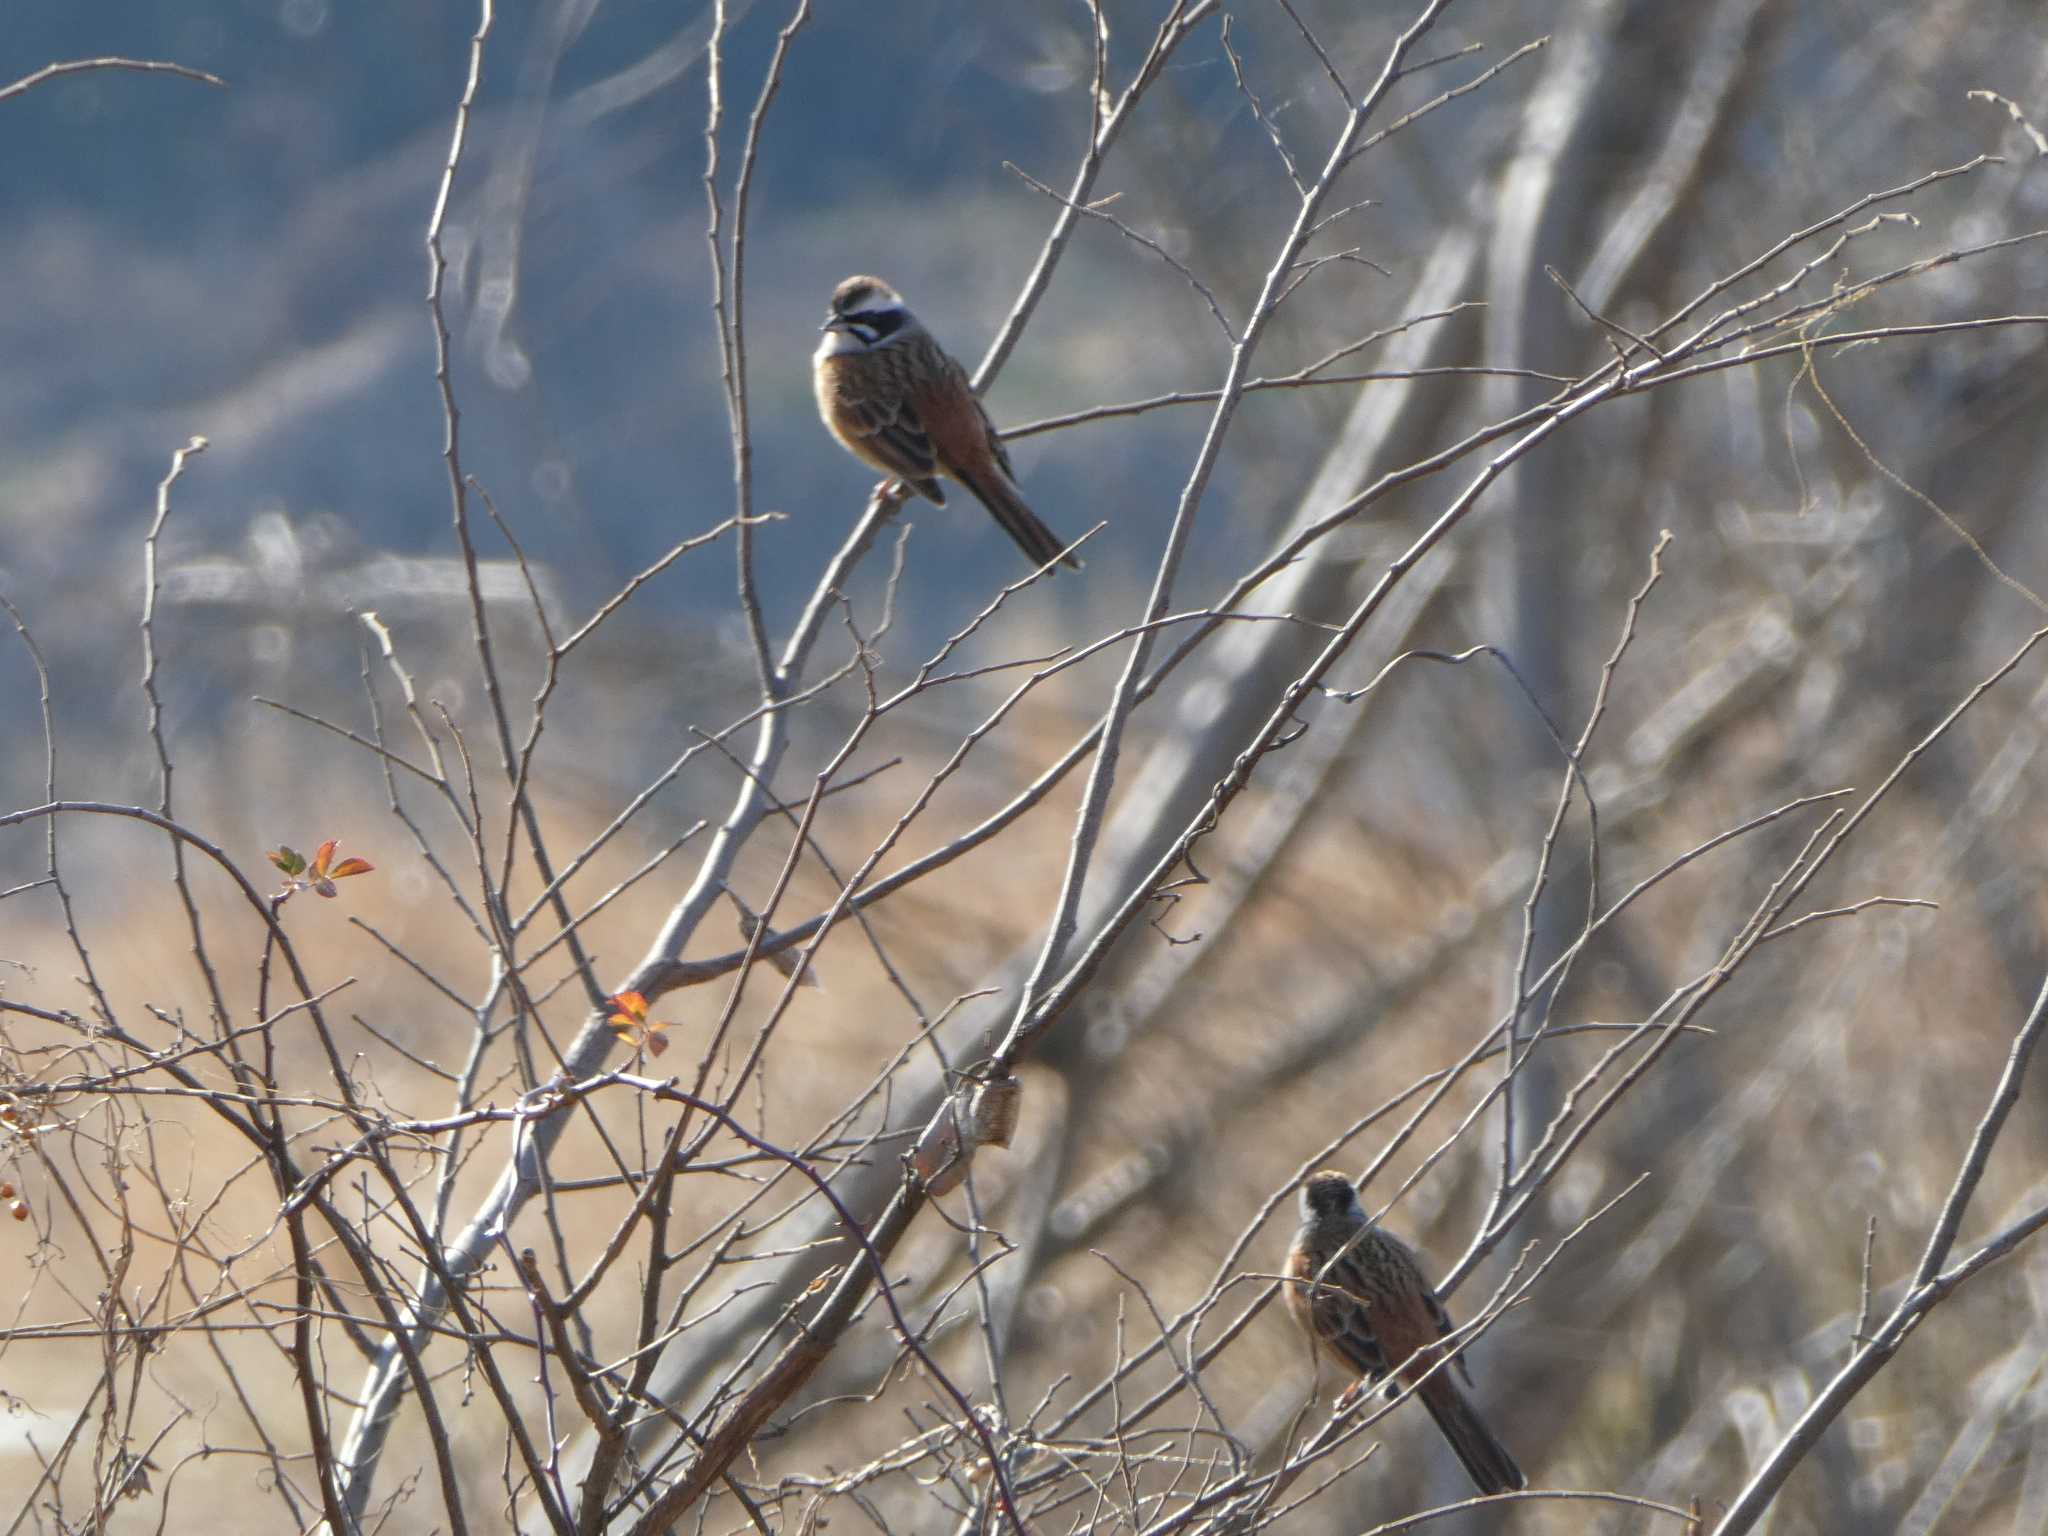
(1328, 1196)
(868, 310)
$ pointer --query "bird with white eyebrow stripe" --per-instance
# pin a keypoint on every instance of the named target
(896, 400)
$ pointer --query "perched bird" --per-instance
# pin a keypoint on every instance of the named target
(1357, 1291)
(895, 399)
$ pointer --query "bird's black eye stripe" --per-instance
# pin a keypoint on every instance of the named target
(873, 324)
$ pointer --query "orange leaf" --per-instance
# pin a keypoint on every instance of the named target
(321, 856)
(349, 867)
(629, 1018)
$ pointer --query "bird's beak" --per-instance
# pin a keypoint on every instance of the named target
(834, 323)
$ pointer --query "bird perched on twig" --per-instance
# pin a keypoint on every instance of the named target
(1357, 1292)
(896, 400)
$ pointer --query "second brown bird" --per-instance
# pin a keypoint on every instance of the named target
(1357, 1291)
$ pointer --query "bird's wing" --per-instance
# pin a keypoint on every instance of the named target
(1337, 1308)
(942, 398)
(1383, 1314)
(1350, 1334)
(1444, 1329)
(885, 419)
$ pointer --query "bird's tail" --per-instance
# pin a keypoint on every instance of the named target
(1485, 1459)
(1007, 507)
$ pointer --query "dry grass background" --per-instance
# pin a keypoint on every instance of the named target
(1840, 1082)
